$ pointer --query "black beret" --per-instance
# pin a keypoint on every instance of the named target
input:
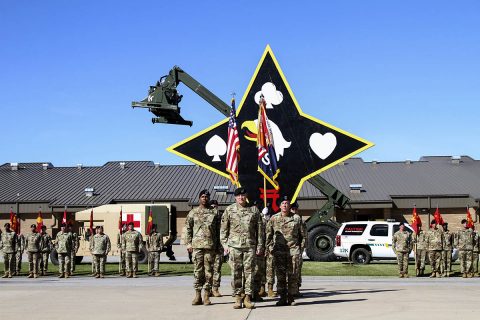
(33, 226)
(131, 223)
(283, 198)
(204, 192)
(7, 225)
(63, 225)
(240, 191)
(433, 222)
(464, 221)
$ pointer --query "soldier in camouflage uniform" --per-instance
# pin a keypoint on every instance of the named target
(33, 244)
(242, 238)
(202, 239)
(154, 247)
(447, 251)
(420, 245)
(435, 247)
(132, 245)
(20, 248)
(270, 264)
(260, 277)
(402, 245)
(285, 239)
(218, 260)
(464, 242)
(64, 245)
(476, 247)
(99, 247)
(121, 251)
(8, 241)
(75, 246)
(295, 211)
(46, 249)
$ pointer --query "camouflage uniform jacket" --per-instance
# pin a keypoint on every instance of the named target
(304, 233)
(20, 246)
(63, 243)
(201, 229)
(75, 241)
(420, 239)
(447, 240)
(33, 242)
(242, 227)
(46, 242)
(132, 241)
(155, 242)
(476, 241)
(119, 241)
(435, 240)
(284, 233)
(402, 241)
(8, 242)
(100, 244)
(464, 240)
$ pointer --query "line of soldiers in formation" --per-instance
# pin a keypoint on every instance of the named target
(438, 243)
(259, 247)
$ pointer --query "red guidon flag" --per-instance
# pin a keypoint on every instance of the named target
(91, 222)
(233, 146)
(120, 221)
(39, 221)
(64, 220)
(150, 221)
(13, 220)
(416, 221)
(438, 217)
(469, 219)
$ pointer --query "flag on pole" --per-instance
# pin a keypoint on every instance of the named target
(150, 221)
(91, 222)
(13, 220)
(416, 221)
(39, 220)
(233, 147)
(267, 158)
(120, 221)
(64, 220)
(469, 220)
(438, 217)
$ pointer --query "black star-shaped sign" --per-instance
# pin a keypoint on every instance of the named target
(304, 145)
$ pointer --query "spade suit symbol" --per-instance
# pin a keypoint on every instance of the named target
(215, 148)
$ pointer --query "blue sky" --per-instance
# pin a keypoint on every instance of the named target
(402, 74)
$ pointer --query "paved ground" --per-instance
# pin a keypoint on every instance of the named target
(170, 297)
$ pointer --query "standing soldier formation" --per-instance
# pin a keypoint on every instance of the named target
(64, 245)
(99, 247)
(446, 267)
(154, 247)
(19, 249)
(435, 242)
(402, 245)
(33, 245)
(120, 240)
(464, 241)
(218, 260)
(132, 245)
(420, 246)
(46, 249)
(7, 245)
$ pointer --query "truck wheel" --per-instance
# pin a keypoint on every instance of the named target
(143, 256)
(361, 256)
(54, 257)
(321, 241)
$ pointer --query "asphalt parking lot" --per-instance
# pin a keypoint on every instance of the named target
(170, 297)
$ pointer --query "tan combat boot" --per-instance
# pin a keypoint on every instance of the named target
(67, 275)
(5, 275)
(469, 275)
(97, 275)
(271, 293)
(61, 275)
(198, 298)
(157, 274)
(400, 275)
(35, 275)
(247, 302)
(101, 275)
(135, 274)
(262, 293)
(238, 302)
(30, 275)
(216, 293)
(433, 275)
(129, 274)
(123, 274)
(206, 298)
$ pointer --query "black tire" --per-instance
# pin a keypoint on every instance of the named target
(361, 256)
(143, 256)
(321, 241)
(54, 257)
(78, 259)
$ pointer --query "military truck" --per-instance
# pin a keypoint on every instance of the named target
(108, 216)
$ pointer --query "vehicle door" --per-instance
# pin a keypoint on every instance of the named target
(379, 241)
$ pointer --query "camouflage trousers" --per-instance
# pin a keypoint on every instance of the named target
(420, 256)
(203, 260)
(44, 261)
(131, 260)
(242, 262)
(270, 269)
(300, 266)
(260, 277)
(402, 262)
(286, 269)
(435, 257)
(64, 262)
(17, 263)
(33, 262)
(465, 259)
(217, 269)
(446, 261)
(474, 262)
(153, 260)
(8, 262)
(73, 254)
(122, 261)
(98, 261)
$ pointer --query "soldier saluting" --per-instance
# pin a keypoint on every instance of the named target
(33, 244)
(100, 247)
(402, 245)
(132, 245)
(7, 244)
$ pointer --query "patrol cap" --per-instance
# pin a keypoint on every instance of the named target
(401, 224)
(204, 192)
(240, 191)
(33, 226)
